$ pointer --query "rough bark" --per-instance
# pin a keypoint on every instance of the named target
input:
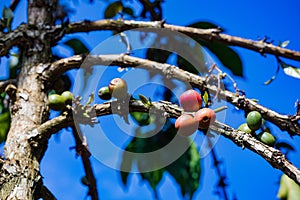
(20, 174)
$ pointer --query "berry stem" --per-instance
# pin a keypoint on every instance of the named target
(220, 109)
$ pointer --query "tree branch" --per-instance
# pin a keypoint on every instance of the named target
(4, 84)
(13, 38)
(204, 34)
(85, 156)
(14, 4)
(284, 122)
(46, 194)
(273, 156)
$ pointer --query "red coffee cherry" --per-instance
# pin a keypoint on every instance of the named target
(205, 117)
(191, 101)
(186, 125)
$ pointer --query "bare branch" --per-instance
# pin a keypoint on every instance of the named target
(284, 122)
(14, 4)
(244, 140)
(10, 39)
(4, 84)
(85, 156)
(204, 34)
(46, 194)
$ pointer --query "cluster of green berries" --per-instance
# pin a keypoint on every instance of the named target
(254, 123)
(59, 102)
(194, 116)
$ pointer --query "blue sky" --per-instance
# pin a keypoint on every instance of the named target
(249, 176)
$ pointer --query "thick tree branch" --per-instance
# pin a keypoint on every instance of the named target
(244, 140)
(204, 34)
(284, 122)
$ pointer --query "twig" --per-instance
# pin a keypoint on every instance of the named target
(151, 8)
(14, 4)
(284, 122)
(222, 179)
(273, 156)
(46, 194)
(205, 34)
(85, 154)
(4, 84)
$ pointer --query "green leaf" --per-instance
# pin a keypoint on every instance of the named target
(77, 46)
(158, 55)
(205, 98)
(284, 145)
(8, 15)
(205, 25)
(4, 125)
(126, 165)
(128, 11)
(144, 100)
(113, 9)
(153, 177)
(187, 171)
(185, 65)
(228, 57)
(142, 119)
(289, 190)
(292, 71)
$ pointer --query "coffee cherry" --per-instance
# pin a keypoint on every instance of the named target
(190, 100)
(104, 93)
(186, 125)
(266, 138)
(68, 97)
(245, 128)
(205, 117)
(118, 88)
(254, 120)
(56, 102)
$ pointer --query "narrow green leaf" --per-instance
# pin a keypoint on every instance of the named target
(113, 9)
(4, 125)
(205, 98)
(77, 46)
(144, 100)
(8, 15)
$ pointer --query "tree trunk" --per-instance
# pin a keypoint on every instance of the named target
(20, 174)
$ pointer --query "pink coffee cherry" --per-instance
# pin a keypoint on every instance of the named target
(191, 101)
